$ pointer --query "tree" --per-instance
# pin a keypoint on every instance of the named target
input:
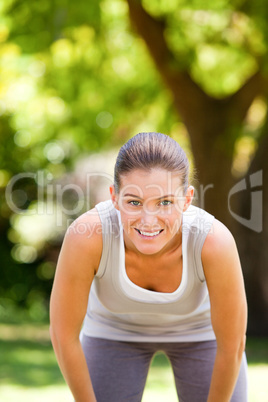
(212, 57)
(72, 83)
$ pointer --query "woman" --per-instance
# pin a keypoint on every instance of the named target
(146, 271)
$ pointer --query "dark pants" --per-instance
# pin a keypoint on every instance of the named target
(118, 370)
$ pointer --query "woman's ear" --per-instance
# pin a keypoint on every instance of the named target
(114, 196)
(188, 198)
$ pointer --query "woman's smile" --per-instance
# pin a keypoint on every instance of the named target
(149, 235)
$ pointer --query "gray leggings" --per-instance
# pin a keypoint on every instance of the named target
(119, 369)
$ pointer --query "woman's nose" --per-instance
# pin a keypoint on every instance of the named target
(148, 216)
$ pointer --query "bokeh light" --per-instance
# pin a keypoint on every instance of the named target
(104, 119)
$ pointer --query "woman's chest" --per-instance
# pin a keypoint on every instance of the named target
(159, 275)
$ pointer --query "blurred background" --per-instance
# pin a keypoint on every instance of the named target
(78, 79)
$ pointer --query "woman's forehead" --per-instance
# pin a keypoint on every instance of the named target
(153, 181)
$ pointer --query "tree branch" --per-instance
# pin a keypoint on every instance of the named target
(187, 94)
(152, 31)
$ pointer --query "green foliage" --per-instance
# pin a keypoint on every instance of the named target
(74, 79)
(218, 43)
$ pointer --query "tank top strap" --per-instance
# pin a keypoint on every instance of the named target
(110, 228)
(200, 229)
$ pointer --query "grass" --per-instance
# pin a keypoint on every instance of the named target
(29, 371)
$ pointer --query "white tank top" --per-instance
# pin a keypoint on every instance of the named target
(118, 309)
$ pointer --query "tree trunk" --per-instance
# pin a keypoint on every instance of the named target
(253, 244)
(213, 159)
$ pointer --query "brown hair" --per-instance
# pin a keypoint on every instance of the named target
(150, 150)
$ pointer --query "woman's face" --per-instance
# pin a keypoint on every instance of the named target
(151, 205)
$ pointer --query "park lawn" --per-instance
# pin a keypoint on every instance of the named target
(29, 371)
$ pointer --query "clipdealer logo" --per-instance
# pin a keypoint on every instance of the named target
(255, 222)
(50, 196)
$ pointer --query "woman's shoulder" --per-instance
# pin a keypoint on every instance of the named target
(219, 243)
(86, 224)
(84, 234)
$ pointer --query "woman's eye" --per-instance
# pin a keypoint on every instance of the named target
(135, 203)
(165, 202)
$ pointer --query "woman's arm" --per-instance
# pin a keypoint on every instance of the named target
(228, 309)
(78, 261)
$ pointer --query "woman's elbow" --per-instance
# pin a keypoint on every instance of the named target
(63, 337)
(233, 350)
(239, 348)
(57, 335)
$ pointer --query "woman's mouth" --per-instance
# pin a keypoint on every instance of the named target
(148, 234)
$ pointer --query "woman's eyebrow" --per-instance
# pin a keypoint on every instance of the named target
(131, 195)
(136, 196)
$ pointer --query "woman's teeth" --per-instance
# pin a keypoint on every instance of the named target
(150, 234)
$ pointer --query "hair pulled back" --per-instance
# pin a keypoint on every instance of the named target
(150, 150)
